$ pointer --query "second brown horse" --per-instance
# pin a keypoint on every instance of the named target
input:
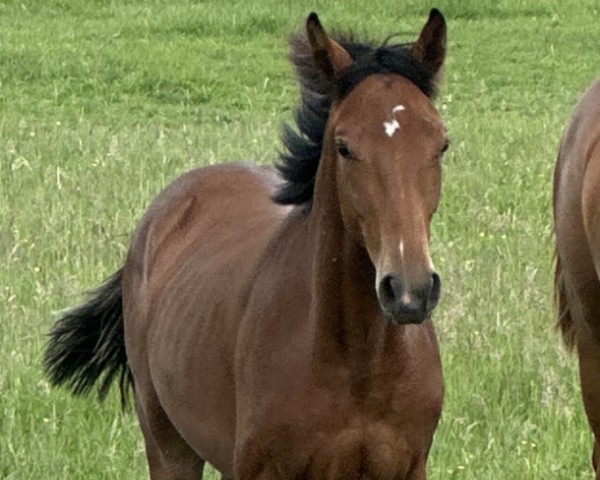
(277, 324)
(577, 228)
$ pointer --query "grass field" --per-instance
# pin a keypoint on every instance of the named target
(103, 102)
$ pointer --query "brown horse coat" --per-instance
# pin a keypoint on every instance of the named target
(577, 227)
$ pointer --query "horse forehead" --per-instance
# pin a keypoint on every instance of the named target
(388, 101)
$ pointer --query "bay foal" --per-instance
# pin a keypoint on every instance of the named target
(277, 323)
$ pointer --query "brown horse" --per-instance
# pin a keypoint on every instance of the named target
(577, 228)
(277, 324)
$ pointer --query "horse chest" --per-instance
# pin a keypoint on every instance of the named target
(326, 434)
(338, 423)
(374, 451)
(362, 450)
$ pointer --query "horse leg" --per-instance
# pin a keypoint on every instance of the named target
(588, 350)
(585, 310)
(169, 456)
(418, 471)
(595, 459)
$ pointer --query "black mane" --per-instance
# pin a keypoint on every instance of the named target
(298, 164)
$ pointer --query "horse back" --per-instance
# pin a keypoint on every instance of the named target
(185, 282)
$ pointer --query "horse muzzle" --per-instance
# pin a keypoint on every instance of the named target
(405, 304)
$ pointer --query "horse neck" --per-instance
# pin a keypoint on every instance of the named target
(346, 320)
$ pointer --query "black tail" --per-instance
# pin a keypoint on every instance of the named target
(87, 344)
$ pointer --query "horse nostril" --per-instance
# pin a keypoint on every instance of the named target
(386, 289)
(436, 287)
(405, 303)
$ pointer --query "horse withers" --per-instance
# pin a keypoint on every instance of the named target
(577, 228)
(277, 323)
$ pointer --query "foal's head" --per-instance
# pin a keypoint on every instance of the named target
(384, 141)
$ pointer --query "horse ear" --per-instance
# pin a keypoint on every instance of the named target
(329, 56)
(430, 47)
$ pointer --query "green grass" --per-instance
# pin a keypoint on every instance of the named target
(103, 102)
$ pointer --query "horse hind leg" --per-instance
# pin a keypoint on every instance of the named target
(169, 455)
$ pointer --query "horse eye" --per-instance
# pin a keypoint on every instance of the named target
(343, 150)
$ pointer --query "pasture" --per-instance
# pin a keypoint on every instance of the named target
(104, 102)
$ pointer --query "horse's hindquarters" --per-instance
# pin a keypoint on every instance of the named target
(186, 275)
